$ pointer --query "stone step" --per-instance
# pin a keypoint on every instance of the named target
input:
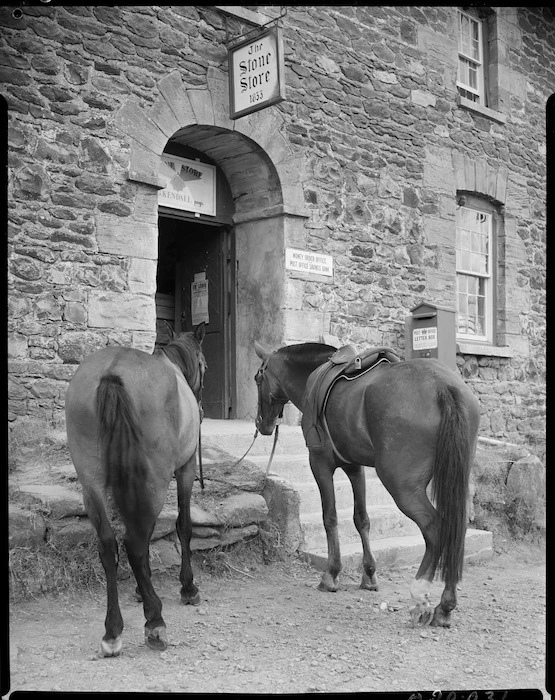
(395, 539)
(385, 521)
(401, 552)
(376, 494)
(235, 437)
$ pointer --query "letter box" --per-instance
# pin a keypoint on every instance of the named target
(430, 332)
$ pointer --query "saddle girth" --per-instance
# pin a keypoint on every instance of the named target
(347, 364)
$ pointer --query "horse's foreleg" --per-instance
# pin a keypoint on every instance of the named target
(185, 476)
(323, 469)
(361, 520)
(137, 538)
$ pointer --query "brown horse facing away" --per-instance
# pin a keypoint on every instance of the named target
(413, 421)
(132, 422)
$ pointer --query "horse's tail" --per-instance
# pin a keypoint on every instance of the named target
(120, 439)
(451, 473)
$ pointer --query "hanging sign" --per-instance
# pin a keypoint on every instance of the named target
(192, 188)
(199, 299)
(256, 73)
(308, 261)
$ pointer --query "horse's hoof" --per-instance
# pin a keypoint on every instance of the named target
(111, 647)
(157, 639)
(441, 618)
(326, 589)
(420, 617)
(368, 585)
(190, 600)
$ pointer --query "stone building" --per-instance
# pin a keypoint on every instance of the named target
(408, 158)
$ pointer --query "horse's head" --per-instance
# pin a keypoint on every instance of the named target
(185, 351)
(271, 398)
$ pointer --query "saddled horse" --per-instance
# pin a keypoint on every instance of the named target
(132, 421)
(414, 421)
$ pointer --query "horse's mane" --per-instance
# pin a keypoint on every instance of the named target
(303, 350)
(308, 353)
(183, 352)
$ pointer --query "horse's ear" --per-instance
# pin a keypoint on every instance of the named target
(262, 353)
(200, 332)
(173, 334)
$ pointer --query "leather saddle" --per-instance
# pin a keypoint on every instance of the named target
(345, 363)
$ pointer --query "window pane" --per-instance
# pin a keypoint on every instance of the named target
(472, 77)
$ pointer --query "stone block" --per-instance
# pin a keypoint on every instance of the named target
(422, 98)
(305, 326)
(438, 170)
(60, 502)
(201, 517)
(173, 91)
(165, 523)
(132, 121)
(121, 311)
(123, 237)
(245, 475)
(25, 528)
(142, 276)
(526, 482)
(284, 511)
(164, 554)
(71, 532)
(242, 509)
(201, 102)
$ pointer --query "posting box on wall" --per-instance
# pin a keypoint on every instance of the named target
(430, 331)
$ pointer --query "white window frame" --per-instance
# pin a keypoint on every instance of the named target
(478, 93)
(485, 278)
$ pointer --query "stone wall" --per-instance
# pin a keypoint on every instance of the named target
(372, 99)
(373, 116)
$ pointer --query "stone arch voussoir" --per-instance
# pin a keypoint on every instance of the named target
(477, 175)
(178, 106)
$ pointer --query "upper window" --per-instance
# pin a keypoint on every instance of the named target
(471, 69)
(475, 265)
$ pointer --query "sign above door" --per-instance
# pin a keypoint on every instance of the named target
(256, 73)
(191, 186)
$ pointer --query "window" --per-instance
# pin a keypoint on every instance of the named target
(475, 266)
(471, 69)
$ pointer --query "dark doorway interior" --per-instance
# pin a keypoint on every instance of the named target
(195, 283)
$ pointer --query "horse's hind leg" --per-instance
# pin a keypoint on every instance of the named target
(185, 477)
(412, 500)
(137, 536)
(357, 478)
(111, 643)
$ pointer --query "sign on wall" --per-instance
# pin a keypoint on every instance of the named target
(192, 188)
(199, 299)
(308, 261)
(424, 338)
(256, 73)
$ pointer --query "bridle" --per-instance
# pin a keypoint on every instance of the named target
(259, 376)
(202, 369)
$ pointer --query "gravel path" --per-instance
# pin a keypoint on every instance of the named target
(268, 630)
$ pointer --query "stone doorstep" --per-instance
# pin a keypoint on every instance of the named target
(402, 552)
(385, 522)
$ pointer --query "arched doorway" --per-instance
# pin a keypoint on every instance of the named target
(195, 282)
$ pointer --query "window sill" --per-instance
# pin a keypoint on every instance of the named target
(465, 103)
(465, 348)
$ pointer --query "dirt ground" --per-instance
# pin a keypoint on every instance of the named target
(267, 629)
